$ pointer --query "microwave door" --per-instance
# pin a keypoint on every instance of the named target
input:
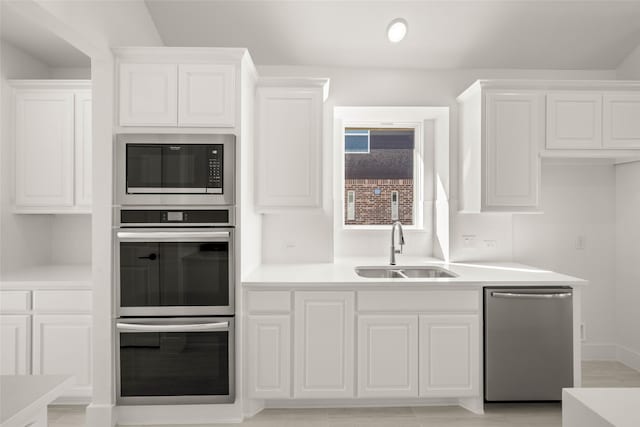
(185, 168)
(144, 168)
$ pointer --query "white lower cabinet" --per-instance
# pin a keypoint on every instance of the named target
(14, 344)
(324, 344)
(449, 355)
(269, 367)
(62, 345)
(400, 344)
(387, 356)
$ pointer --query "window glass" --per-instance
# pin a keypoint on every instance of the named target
(356, 141)
(381, 178)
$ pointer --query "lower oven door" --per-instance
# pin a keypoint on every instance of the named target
(175, 361)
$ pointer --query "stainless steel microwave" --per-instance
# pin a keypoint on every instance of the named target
(179, 169)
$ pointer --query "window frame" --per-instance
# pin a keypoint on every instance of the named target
(418, 171)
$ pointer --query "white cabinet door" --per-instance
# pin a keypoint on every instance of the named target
(269, 357)
(621, 120)
(44, 148)
(62, 345)
(449, 356)
(574, 120)
(14, 345)
(514, 123)
(206, 95)
(323, 345)
(83, 149)
(148, 94)
(388, 356)
(289, 147)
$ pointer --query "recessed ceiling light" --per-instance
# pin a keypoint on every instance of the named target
(396, 30)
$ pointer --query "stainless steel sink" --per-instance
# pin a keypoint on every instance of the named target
(402, 272)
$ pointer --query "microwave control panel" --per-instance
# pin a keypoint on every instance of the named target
(215, 154)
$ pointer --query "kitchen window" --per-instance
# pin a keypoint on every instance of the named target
(382, 172)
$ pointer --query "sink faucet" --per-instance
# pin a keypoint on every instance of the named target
(398, 224)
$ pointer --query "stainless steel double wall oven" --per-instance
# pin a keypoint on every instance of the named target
(175, 269)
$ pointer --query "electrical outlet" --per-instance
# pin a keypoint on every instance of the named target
(490, 244)
(581, 242)
(469, 240)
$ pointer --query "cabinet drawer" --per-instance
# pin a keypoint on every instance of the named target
(62, 301)
(421, 301)
(269, 301)
(14, 301)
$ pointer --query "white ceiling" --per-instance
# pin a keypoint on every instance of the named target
(38, 42)
(442, 34)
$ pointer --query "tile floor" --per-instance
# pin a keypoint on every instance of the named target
(595, 374)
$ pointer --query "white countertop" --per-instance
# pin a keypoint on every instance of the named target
(342, 271)
(48, 277)
(23, 396)
(620, 407)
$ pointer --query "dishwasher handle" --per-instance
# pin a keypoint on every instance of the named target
(531, 296)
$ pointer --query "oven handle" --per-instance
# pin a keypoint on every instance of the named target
(171, 236)
(194, 327)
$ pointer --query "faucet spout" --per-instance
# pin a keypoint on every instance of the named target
(394, 251)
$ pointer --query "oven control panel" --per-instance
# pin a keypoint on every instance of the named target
(173, 217)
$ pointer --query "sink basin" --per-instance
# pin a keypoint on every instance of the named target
(403, 272)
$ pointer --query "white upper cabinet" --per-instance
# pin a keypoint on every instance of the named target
(501, 134)
(514, 132)
(324, 345)
(206, 95)
(574, 120)
(148, 94)
(83, 150)
(621, 120)
(44, 148)
(183, 95)
(289, 143)
(52, 146)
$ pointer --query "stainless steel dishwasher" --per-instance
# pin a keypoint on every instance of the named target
(528, 343)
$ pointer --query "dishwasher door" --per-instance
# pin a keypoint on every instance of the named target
(528, 343)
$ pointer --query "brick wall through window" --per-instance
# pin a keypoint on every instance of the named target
(374, 208)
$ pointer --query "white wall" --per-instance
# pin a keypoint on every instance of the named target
(628, 262)
(578, 200)
(629, 69)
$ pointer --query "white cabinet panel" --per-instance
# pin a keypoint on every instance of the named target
(621, 120)
(15, 301)
(269, 359)
(323, 345)
(62, 301)
(269, 301)
(14, 345)
(148, 94)
(62, 345)
(574, 120)
(206, 95)
(449, 356)
(83, 149)
(44, 148)
(289, 147)
(388, 356)
(512, 167)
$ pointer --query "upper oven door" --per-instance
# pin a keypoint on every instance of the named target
(175, 272)
(175, 169)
